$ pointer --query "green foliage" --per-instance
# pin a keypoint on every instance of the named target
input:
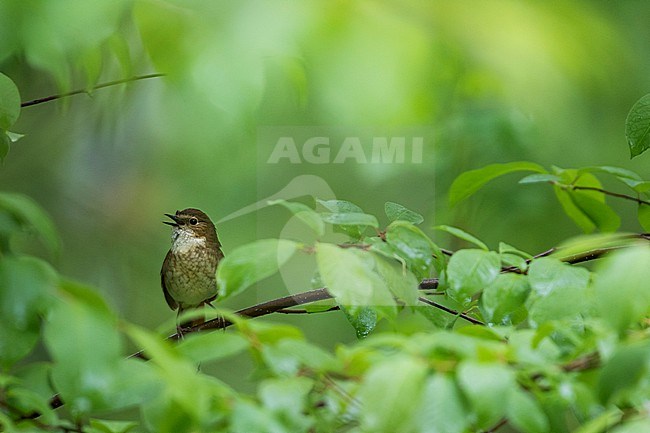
(637, 127)
(251, 263)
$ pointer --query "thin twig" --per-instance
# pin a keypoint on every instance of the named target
(604, 191)
(80, 91)
(450, 311)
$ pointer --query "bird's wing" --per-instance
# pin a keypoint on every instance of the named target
(170, 301)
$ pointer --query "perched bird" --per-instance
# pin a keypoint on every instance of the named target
(188, 273)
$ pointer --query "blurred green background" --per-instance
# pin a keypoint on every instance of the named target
(480, 82)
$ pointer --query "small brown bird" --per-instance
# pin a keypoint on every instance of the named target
(188, 273)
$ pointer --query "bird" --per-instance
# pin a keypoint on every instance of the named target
(188, 273)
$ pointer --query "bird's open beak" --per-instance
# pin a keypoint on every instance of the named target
(173, 217)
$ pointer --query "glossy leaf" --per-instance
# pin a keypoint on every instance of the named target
(399, 280)
(5, 145)
(396, 212)
(637, 126)
(547, 274)
(471, 181)
(412, 246)
(469, 272)
(540, 178)
(350, 219)
(248, 264)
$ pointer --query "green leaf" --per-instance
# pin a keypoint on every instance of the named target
(461, 234)
(559, 291)
(480, 379)
(540, 178)
(443, 407)
(391, 412)
(633, 426)
(362, 319)
(9, 102)
(211, 346)
(347, 217)
(600, 214)
(501, 299)
(26, 288)
(396, 212)
(250, 263)
(626, 370)
(471, 181)
(400, 281)
(622, 289)
(548, 274)
(412, 246)
(643, 215)
(349, 277)
(5, 145)
(637, 126)
(340, 206)
(86, 347)
(305, 214)
(469, 272)
(30, 215)
(350, 219)
(525, 413)
(109, 426)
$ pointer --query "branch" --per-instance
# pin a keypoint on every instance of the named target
(99, 86)
(603, 191)
(450, 311)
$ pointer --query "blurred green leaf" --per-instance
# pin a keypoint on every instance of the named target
(501, 299)
(461, 234)
(86, 347)
(392, 411)
(525, 413)
(480, 379)
(633, 426)
(626, 370)
(30, 215)
(637, 126)
(471, 181)
(396, 212)
(469, 272)
(9, 102)
(622, 289)
(303, 213)
(248, 264)
(643, 215)
(412, 246)
(26, 289)
(547, 274)
(109, 426)
(443, 407)
(286, 398)
(210, 346)
(349, 277)
(5, 145)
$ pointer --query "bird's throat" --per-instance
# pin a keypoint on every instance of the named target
(184, 241)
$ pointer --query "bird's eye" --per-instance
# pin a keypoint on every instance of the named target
(194, 221)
